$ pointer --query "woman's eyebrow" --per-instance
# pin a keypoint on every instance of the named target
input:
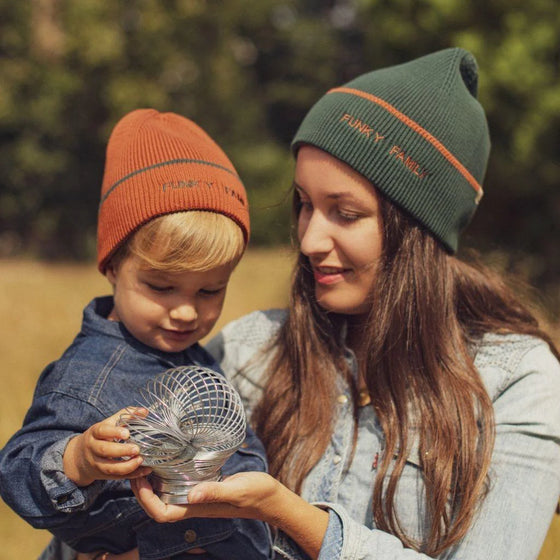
(349, 194)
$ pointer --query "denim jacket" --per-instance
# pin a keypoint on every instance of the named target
(99, 374)
(522, 378)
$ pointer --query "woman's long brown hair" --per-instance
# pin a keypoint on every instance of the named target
(429, 309)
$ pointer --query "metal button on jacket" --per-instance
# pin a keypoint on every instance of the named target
(190, 536)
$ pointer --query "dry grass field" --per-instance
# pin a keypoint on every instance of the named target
(41, 305)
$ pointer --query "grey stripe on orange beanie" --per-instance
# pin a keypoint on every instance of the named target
(416, 131)
(162, 163)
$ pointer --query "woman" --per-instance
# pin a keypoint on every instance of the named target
(407, 400)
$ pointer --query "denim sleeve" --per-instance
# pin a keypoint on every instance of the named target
(331, 547)
(525, 468)
(64, 495)
(57, 550)
(351, 540)
(524, 476)
(32, 481)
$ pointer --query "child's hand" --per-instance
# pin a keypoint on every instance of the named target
(96, 455)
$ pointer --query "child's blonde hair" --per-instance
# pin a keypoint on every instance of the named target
(194, 241)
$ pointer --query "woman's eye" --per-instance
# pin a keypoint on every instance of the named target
(303, 201)
(348, 216)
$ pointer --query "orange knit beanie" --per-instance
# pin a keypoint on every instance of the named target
(161, 163)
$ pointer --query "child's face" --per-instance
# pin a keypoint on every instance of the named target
(167, 311)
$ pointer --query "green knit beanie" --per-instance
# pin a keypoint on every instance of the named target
(416, 131)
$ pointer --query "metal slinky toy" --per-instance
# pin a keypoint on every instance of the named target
(196, 421)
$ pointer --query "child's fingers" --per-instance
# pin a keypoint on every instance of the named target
(131, 411)
(123, 413)
(121, 469)
(140, 472)
(108, 449)
(112, 427)
(109, 431)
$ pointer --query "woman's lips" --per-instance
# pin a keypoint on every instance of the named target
(327, 275)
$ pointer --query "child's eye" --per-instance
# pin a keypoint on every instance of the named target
(207, 292)
(159, 289)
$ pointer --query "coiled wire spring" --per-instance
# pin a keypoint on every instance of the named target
(196, 421)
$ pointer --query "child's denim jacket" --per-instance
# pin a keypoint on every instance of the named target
(99, 374)
(522, 378)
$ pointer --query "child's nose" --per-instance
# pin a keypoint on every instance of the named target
(184, 311)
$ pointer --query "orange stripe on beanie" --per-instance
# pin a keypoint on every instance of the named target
(161, 163)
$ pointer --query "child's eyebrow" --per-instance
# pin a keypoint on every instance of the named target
(158, 274)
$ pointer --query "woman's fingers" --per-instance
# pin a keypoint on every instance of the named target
(169, 513)
(241, 495)
(153, 506)
(245, 490)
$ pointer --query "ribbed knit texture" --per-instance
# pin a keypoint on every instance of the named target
(161, 163)
(416, 131)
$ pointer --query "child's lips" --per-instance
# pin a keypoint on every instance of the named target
(179, 334)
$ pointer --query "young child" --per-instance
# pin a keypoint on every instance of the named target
(173, 223)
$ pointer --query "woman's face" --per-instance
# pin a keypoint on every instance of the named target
(339, 230)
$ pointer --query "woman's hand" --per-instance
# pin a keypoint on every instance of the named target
(97, 454)
(246, 495)
(249, 495)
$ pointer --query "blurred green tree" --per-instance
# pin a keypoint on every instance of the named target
(247, 71)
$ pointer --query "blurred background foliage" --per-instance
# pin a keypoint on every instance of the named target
(247, 71)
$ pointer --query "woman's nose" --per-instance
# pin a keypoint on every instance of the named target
(184, 311)
(314, 234)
